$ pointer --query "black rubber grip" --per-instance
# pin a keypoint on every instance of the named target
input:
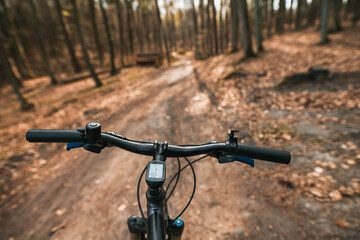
(47, 135)
(267, 154)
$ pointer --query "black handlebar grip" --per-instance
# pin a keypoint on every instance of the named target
(47, 135)
(267, 154)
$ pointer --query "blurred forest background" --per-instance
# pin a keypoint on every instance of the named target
(55, 38)
(286, 73)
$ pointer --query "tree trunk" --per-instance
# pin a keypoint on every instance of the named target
(129, 25)
(210, 45)
(98, 45)
(202, 19)
(324, 21)
(245, 29)
(83, 46)
(108, 36)
(259, 44)
(336, 20)
(162, 32)
(7, 28)
(291, 13)
(41, 44)
(348, 9)
(227, 30)
(11, 78)
(69, 45)
(270, 20)
(196, 31)
(298, 15)
(234, 25)
(280, 17)
(356, 16)
(121, 31)
(221, 26)
(313, 13)
(215, 27)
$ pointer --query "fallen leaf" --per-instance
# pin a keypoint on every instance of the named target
(58, 227)
(335, 195)
(342, 223)
(60, 211)
(121, 207)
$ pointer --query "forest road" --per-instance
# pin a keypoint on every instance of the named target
(92, 196)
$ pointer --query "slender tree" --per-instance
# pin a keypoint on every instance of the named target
(221, 26)
(280, 17)
(291, 13)
(245, 29)
(259, 44)
(162, 32)
(25, 105)
(196, 31)
(41, 44)
(313, 13)
(9, 32)
(270, 19)
(336, 16)
(234, 25)
(75, 63)
(299, 15)
(324, 21)
(202, 21)
(83, 46)
(121, 31)
(208, 23)
(129, 25)
(99, 49)
(108, 36)
(215, 27)
(356, 16)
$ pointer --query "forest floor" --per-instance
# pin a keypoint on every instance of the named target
(49, 193)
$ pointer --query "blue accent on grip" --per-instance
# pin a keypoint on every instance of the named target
(246, 160)
(179, 222)
(70, 146)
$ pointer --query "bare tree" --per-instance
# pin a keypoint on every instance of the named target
(108, 36)
(83, 46)
(245, 29)
(299, 15)
(129, 25)
(121, 31)
(162, 32)
(324, 21)
(259, 37)
(69, 45)
(280, 17)
(336, 16)
(196, 31)
(356, 16)
(215, 27)
(25, 105)
(208, 23)
(234, 25)
(98, 45)
(291, 13)
(313, 13)
(41, 43)
(270, 19)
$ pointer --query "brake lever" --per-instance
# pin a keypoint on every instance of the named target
(232, 158)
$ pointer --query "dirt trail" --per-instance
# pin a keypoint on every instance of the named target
(89, 196)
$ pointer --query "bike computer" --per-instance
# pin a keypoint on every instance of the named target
(155, 173)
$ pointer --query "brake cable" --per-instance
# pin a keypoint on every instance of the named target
(167, 188)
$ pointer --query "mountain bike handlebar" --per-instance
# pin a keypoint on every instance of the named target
(98, 139)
